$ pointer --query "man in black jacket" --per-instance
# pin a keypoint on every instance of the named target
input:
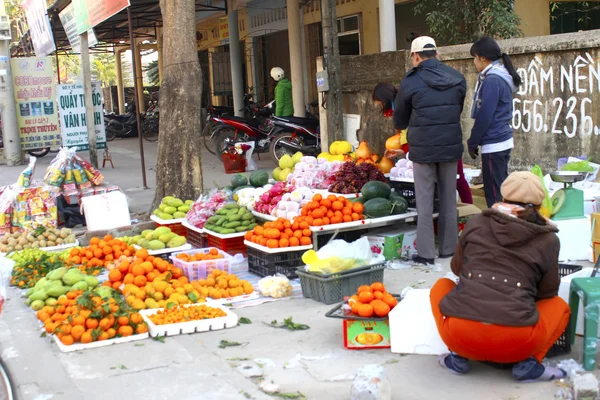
(429, 103)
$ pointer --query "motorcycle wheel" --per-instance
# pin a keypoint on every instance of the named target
(208, 138)
(224, 138)
(40, 152)
(277, 150)
(150, 130)
(111, 134)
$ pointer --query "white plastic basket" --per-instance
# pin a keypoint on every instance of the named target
(196, 270)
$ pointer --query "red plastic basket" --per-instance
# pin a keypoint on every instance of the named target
(232, 246)
(234, 162)
(196, 239)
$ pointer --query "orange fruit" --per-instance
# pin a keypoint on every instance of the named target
(365, 310)
(138, 270)
(136, 318)
(364, 288)
(128, 279)
(141, 328)
(91, 323)
(317, 197)
(390, 300)
(104, 324)
(378, 295)
(86, 337)
(306, 232)
(147, 266)
(78, 320)
(140, 281)
(67, 340)
(114, 275)
(366, 297)
(358, 207)
(125, 330)
(378, 286)
(77, 332)
(284, 243)
(142, 253)
(305, 241)
(380, 308)
(122, 321)
(111, 333)
(294, 242)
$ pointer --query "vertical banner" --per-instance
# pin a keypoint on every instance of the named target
(89, 13)
(34, 94)
(73, 125)
(224, 30)
(39, 27)
(69, 22)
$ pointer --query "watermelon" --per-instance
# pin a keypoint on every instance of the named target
(377, 208)
(399, 204)
(239, 180)
(374, 189)
(230, 188)
(259, 178)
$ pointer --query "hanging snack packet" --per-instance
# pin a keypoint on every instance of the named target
(24, 180)
(55, 174)
(92, 173)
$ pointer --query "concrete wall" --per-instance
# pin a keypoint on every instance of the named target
(557, 110)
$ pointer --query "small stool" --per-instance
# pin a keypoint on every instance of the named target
(107, 157)
(588, 289)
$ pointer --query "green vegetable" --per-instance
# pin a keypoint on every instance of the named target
(374, 189)
(377, 208)
(578, 166)
(259, 178)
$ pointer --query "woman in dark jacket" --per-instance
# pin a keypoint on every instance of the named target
(505, 308)
(493, 111)
(384, 95)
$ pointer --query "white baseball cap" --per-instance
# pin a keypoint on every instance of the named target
(422, 43)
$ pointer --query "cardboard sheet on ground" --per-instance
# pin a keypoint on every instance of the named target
(106, 211)
(412, 327)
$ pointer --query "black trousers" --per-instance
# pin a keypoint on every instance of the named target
(495, 170)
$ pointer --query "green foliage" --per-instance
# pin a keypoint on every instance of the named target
(464, 21)
(151, 71)
(104, 69)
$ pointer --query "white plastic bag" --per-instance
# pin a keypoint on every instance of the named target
(338, 256)
(250, 163)
(276, 286)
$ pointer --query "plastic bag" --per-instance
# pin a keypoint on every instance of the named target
(547, 207)
(55, 173)
(276, 286)
(24, 180)
(578, 166)
(250, 163)
(338, 256)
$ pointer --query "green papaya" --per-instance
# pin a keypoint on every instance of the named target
(39, 295)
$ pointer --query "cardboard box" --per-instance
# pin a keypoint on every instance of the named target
(394, 243)
(362, 335)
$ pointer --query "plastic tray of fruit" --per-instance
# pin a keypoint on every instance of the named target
(166, 221)
(278, 250)
(85, 346)
(237, 299)
(167, 250)
(266, 217)
(204, 325)
(343, 311)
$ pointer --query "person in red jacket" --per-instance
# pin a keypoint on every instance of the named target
(505, 308)
(384, 95)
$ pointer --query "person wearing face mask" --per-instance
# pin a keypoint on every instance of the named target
(492, 111)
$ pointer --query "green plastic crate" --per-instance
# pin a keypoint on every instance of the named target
(332, 288)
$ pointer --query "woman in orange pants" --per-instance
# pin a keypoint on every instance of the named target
(505, 308)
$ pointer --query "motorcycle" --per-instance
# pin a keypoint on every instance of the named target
(209, 125)
(295, 134)
(123, 125)
(231, 130)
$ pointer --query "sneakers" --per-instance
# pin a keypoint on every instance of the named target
(531, 370)
(446, 255)
(456, 364)
(421, 260)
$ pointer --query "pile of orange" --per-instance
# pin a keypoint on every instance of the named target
(99, 254)
(143, 269)
(185, 314)
(281, 233)
(330, 210)
(220, 284)
(370, 301)
(86, 317)
(212, 254)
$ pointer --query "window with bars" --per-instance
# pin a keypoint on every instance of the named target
(349, 35)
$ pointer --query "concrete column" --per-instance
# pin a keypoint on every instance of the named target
(296, 65)
(304, 65)
(214, 100)
(137, 64)
(252, 67)
(10, 126)
(387, 25)
(235, 54)
(120, 88)
(159, 46)
(323, 126)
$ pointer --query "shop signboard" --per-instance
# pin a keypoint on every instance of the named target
(33, 82)
(69, 22)
(39, 27)
(224, 30)
(73, 125)
(89, 13)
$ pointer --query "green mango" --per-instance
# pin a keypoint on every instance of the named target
(51, 301)
(189, 202)
(37, 305)
(81, 285)
(158, 232)
(27, 302)
(177, 241)
(161, 207)
(57, 274)
(71, 278)
(156, 245)
(29, 292)
(41, 283)
(179, 214)
(146, 232)
(170, 210)
(56, 291)
(39, 295)
(165, 216)
(184, 208)
(91, 281)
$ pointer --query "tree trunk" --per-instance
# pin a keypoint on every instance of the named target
(178, 166)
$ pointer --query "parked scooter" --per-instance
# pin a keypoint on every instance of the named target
(209, 125)
(231, 130)
(295, 134)
(123, 125)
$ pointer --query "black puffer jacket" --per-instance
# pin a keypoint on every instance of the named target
(429, 104)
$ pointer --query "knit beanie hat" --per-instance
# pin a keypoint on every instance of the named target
(523, 187)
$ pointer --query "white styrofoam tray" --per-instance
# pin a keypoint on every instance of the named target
(326, 193)
(393, 218)
(278, 250)
(93, 345)
(237, 299)
(266, 217)
(227, 236)
(184, 247)
(205, 325)
(166, 221)
(343, 225)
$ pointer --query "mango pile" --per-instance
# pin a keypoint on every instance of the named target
(173, 208)
(231, 219)
(157, 239)
(57, 283)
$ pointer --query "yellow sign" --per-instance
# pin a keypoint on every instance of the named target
(224, 29)
(35, 95)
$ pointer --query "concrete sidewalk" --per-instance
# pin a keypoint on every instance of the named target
(312, 362)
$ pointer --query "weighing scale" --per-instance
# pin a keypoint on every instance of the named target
(567, 203)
